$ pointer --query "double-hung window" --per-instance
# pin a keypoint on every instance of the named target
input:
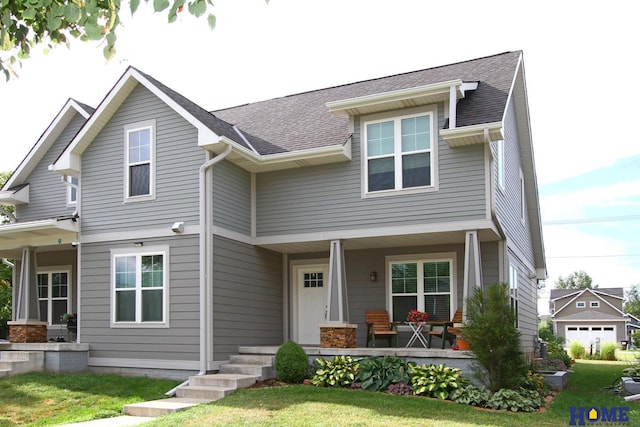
(513, 291)
(140, 160)
(53, 294)
(425, 284)
(399, 153)
(72, 190)
(140, 286)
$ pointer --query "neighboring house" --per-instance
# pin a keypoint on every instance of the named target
(179, 234)
(588, 316)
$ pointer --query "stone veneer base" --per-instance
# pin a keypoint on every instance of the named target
(29, 331)
(338, 335)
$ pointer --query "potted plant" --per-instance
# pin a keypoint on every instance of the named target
(416, 316)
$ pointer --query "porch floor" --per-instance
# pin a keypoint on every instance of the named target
(408, 353)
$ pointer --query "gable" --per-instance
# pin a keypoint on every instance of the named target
(567, 303)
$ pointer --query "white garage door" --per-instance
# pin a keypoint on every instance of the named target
(587, 335)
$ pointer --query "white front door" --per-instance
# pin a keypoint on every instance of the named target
(311, 286)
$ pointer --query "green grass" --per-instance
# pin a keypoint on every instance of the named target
(42, 399)
(310, 406)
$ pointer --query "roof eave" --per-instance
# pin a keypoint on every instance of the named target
(253, 162)
(474, 134)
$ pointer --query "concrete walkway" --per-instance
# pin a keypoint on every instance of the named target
(121, 421)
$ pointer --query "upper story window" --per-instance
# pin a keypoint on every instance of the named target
(140, 286)
(594, 304)
(140, 161)
(72, 192)
(500, 162)
(581, 304)
(399, 152)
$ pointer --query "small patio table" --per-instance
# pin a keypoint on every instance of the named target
(418, 329)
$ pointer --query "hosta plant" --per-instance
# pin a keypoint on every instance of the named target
(436, 380)
(471, 395)
(339, 372)
(515, 400)
(378, 373)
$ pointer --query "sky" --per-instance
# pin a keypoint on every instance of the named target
(580, 64)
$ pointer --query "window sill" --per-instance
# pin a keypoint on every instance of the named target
(132, 325)
(403, 192)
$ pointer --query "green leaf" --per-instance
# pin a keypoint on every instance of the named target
(29, 13)
(160, 5)
(93, 30)
(197, 8)
(72, 12)
(211, 19)
(133, 4)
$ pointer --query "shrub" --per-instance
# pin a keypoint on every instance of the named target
(378, 373)
(292, 363)
(546, 334)
(339, 372)
(608, 351)
(515, 400)
(554, 351)
(576, 350)
(471, 395)
(436, 380)
(493, 337)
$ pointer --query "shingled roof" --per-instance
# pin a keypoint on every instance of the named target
(303, 121)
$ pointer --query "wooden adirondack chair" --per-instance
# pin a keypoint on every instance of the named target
(447, 331)
(379, 326)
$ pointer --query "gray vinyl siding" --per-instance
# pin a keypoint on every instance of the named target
(178, 159)
(47, 194)
(247, 297)
(232, 198)
(179, 342)
(508, 202)
(329, 197)
(527, 304)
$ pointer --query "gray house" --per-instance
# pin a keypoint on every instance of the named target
(588, 316)
(178, 234)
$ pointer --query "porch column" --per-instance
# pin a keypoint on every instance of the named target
(337, 304)
(27, 326)
(472, 267)
(337, 332)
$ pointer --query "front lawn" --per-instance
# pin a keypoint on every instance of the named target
(42, 399)
(303, 405)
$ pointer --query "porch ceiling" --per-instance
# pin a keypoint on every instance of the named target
(320, 242)
(54, 232)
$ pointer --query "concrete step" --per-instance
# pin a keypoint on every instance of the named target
(158, 408)
(224, 380)
(262, 371)
(20, 362)
(4, 373)
(251, 359)
(204, 392)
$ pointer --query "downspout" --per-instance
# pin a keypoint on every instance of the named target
(206, 258)
(206, 254)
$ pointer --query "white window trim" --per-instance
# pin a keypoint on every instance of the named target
(513, 290)
(150, 250)
(72, 203)
(151, 125)
(500, 164)
(594, 304)
(56, 269)
(419, 258)
(523, 206)
(581, 304)
(431, 111)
